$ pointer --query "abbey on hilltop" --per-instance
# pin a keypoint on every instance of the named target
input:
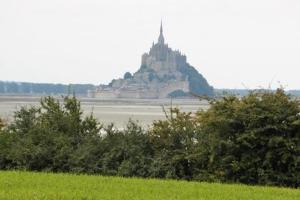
(163, 73)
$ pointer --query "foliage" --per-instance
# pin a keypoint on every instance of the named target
(43, 88)
(128, 75)
(1, 124)
(197, 83)
(47, 137)
(152, 76)
(252, 140)
(126, 153)
(178, 93)
(174, 141)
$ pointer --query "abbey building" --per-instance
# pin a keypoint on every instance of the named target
(163, 73)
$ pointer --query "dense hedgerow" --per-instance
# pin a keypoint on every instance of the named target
(253, 140)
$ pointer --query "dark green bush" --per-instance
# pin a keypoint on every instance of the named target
(128, 75)
(1, 124)
(255, 139)
(45, 138)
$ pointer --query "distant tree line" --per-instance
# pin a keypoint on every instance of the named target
(43, 88)
(7, 87)
(254, 140)
(245, 92)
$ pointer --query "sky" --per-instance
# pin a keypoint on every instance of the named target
(232, 43)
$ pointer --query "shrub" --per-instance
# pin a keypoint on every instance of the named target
(46, 137)
(1, 124)
(178, 93)
(174, 141)
(255, 139)
(128, 75)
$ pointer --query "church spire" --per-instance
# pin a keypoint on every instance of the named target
(161, 39)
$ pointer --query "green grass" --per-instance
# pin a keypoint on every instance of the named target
(28, 185)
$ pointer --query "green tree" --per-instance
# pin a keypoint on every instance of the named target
(48, 137)
(255, 139)
(128, 152)
(1, 124)
(174, 140)
(128, 75)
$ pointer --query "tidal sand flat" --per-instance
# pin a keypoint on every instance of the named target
(117, 111)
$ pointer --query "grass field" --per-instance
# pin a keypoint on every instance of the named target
(27, 185)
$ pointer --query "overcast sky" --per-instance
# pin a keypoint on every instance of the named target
(233, 43)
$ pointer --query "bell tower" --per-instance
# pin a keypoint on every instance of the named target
(161, 39)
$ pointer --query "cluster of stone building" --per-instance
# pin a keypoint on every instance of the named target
(158, 76)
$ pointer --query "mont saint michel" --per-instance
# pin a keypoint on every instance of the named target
(163, 73)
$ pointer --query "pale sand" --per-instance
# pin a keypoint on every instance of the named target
(117, 111)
